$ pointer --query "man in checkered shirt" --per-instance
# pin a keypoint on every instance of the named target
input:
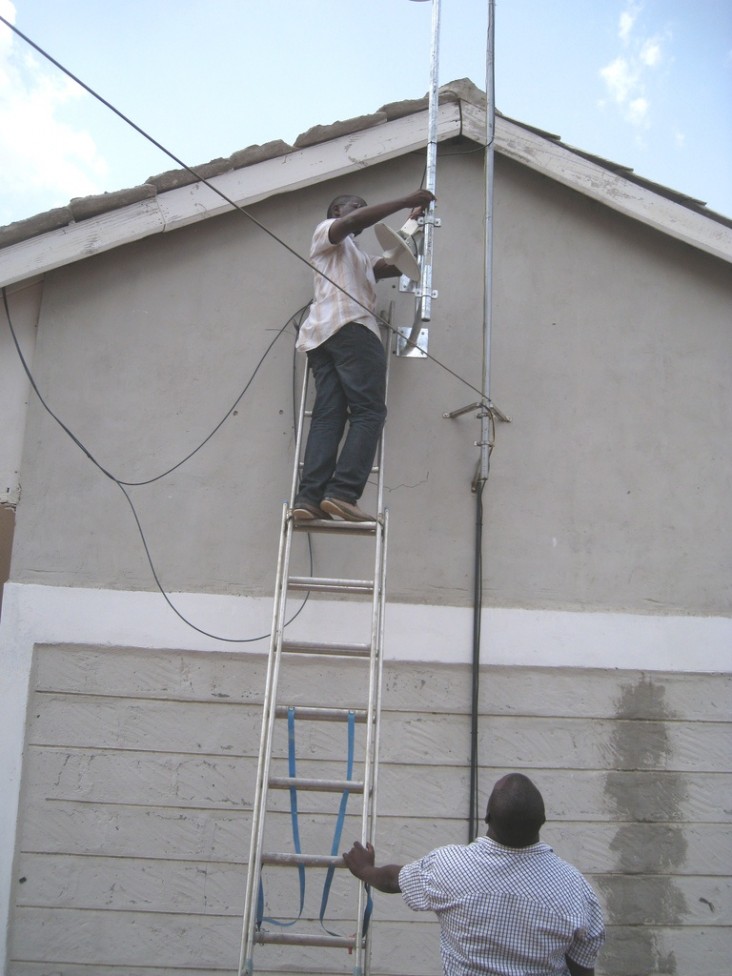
(507, 905)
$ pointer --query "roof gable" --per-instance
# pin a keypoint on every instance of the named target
(180, 197)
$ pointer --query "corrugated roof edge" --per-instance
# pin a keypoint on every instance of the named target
(82, 208)
(627, 172)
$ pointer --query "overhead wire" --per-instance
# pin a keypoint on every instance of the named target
(227, 199)
(123, 485)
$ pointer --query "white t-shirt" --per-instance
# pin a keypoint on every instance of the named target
(346, 265)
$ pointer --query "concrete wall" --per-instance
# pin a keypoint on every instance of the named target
(24, 303)
(610, 353)
(138, 782)
(14, 395)
(607, 547)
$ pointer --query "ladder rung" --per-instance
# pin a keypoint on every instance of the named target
(334, 650)
(333, 525)
(328, 585)
(317, 785)
(314, 713)
(292, 938)
(309, 860)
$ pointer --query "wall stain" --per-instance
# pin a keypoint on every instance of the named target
(649, 843)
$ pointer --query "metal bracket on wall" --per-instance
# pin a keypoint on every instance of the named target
(406, 285)
(487, 413)
(482, 407)
(411, 343)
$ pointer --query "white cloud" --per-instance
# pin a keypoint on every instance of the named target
(650, 53)
(638, 111)
(619, 80)
(627, 22)
(626, 76)
(42, 157)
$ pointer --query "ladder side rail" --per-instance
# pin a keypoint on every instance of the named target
(299, 433)
(368, 809)
(378, 686)
(372, 798)
(370, 777)
(254, 867)
(387, 339)
(377, 642)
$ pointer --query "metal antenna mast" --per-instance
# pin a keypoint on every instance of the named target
(413, 341)
(487, 411)
(425, 286)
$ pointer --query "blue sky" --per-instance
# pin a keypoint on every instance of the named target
(644, 83)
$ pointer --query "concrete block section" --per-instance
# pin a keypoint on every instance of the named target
(138, 788)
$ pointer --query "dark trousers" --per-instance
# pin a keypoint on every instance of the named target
(349, 370)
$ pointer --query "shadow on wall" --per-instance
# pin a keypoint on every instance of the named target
(649, 843)
(7, 528)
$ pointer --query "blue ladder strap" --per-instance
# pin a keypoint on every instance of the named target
(336, 846)
(368, 909)
(293, 802)
(292, 769)
(260, 902)
(358, 970)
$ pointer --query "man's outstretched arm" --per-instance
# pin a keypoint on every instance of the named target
(360, 862)
(357, 220)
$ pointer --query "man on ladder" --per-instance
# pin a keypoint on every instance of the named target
(345, 353)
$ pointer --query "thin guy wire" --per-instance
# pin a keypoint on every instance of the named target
(223, 196)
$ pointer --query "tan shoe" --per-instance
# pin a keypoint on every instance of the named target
(308, 512)
(348, 511)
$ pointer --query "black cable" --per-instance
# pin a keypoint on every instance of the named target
(226, 198)
(474, 813)
(226, 416)
(122, 485)
(478, 484)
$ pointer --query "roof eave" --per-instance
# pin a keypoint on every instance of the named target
(343, 150)
(198, 201)
(612, 189)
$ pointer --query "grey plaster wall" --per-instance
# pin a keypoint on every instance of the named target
(611, 350)
(138, 785)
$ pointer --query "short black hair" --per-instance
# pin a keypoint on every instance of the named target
(516, 811)
(340, 200)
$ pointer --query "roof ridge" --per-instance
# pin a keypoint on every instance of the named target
(462, 91)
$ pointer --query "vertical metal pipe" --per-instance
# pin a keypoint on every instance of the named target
(490, 122)
(425, 301)
(486, 421)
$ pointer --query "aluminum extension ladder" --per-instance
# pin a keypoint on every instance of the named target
(258, 930)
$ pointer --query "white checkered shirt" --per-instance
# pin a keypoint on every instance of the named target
(505, 911)
(346, 265)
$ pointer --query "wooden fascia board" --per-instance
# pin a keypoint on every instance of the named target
(324, 161)
(608, 188)
(348, 153)
(177, 208)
